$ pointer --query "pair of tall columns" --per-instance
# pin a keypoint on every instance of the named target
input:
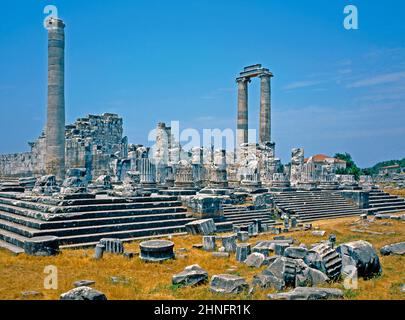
(265, 109)
(55, 127)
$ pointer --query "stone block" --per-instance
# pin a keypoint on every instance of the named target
(209, 243)
(361, 255)
(242, 251)
(228, 284)
(83, 293)
(255, 260)
(42, 246)
(204, 227)
(229, 243)
(191, 276)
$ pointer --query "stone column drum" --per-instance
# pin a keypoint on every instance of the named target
(55, 126)
(242, 125)
(265, 108)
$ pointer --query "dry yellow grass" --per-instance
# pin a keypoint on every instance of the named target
(396, 192)
(153, 281)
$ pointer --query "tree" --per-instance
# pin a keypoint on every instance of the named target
(351, 167)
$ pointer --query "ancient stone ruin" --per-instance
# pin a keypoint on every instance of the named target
(83, 182)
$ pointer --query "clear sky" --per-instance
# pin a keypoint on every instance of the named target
(334, 90)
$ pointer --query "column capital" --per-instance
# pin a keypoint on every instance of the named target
(266, 74)
(243, 79)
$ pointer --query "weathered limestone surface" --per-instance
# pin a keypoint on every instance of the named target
(393, 249)
(228, 284)
(191, 276)
(361, 255)
(83, 293)
(304, 293)
(204, 227)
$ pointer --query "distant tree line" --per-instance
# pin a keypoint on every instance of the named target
(352, 168)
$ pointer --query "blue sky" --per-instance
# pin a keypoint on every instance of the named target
(334, 90)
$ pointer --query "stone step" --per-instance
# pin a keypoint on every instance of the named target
(10, 247)
(312, 207)
(325, 217)
(12, 238)
(36, 207)
(93, 214)
(389, 209)
(388, 204)
(94, 229)
(384, 200)
(234, 214)
(127, 234)
(248, 218)
(162, 214)
(325, 211)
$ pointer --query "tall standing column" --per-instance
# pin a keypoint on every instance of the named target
(55, 127)
(265, 108)
(242, 126)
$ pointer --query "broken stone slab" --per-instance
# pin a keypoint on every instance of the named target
(265, 281)
(308, 277)
(393, 249)
(156, 250)
(242, 251)
(243, 236)
(263, 250)
(228, 284)
(83, 293)
(325, 259)
(209, 243)
(204, 227)
(83, 283)
(361, 255)
(382, 216)
(294, 222)
(255, 260)
(279, 248)
(229, 243)
(284, 269)
(99, 251)
(42, 246)
(129, 255)
(304, 293)
(191, 276)
(289, 241)
(318, 233)
(295, 252)
(220, 254)
(112, 245)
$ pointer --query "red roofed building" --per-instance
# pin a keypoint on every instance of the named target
(320, 160)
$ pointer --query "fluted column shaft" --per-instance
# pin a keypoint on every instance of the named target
(265, 109)
(55, 127)
(242, 125)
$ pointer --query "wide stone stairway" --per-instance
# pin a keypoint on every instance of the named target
(83, 222)
(381, 202)
(240, 215)
(315, 205)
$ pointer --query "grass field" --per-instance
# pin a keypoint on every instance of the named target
(153, 281)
